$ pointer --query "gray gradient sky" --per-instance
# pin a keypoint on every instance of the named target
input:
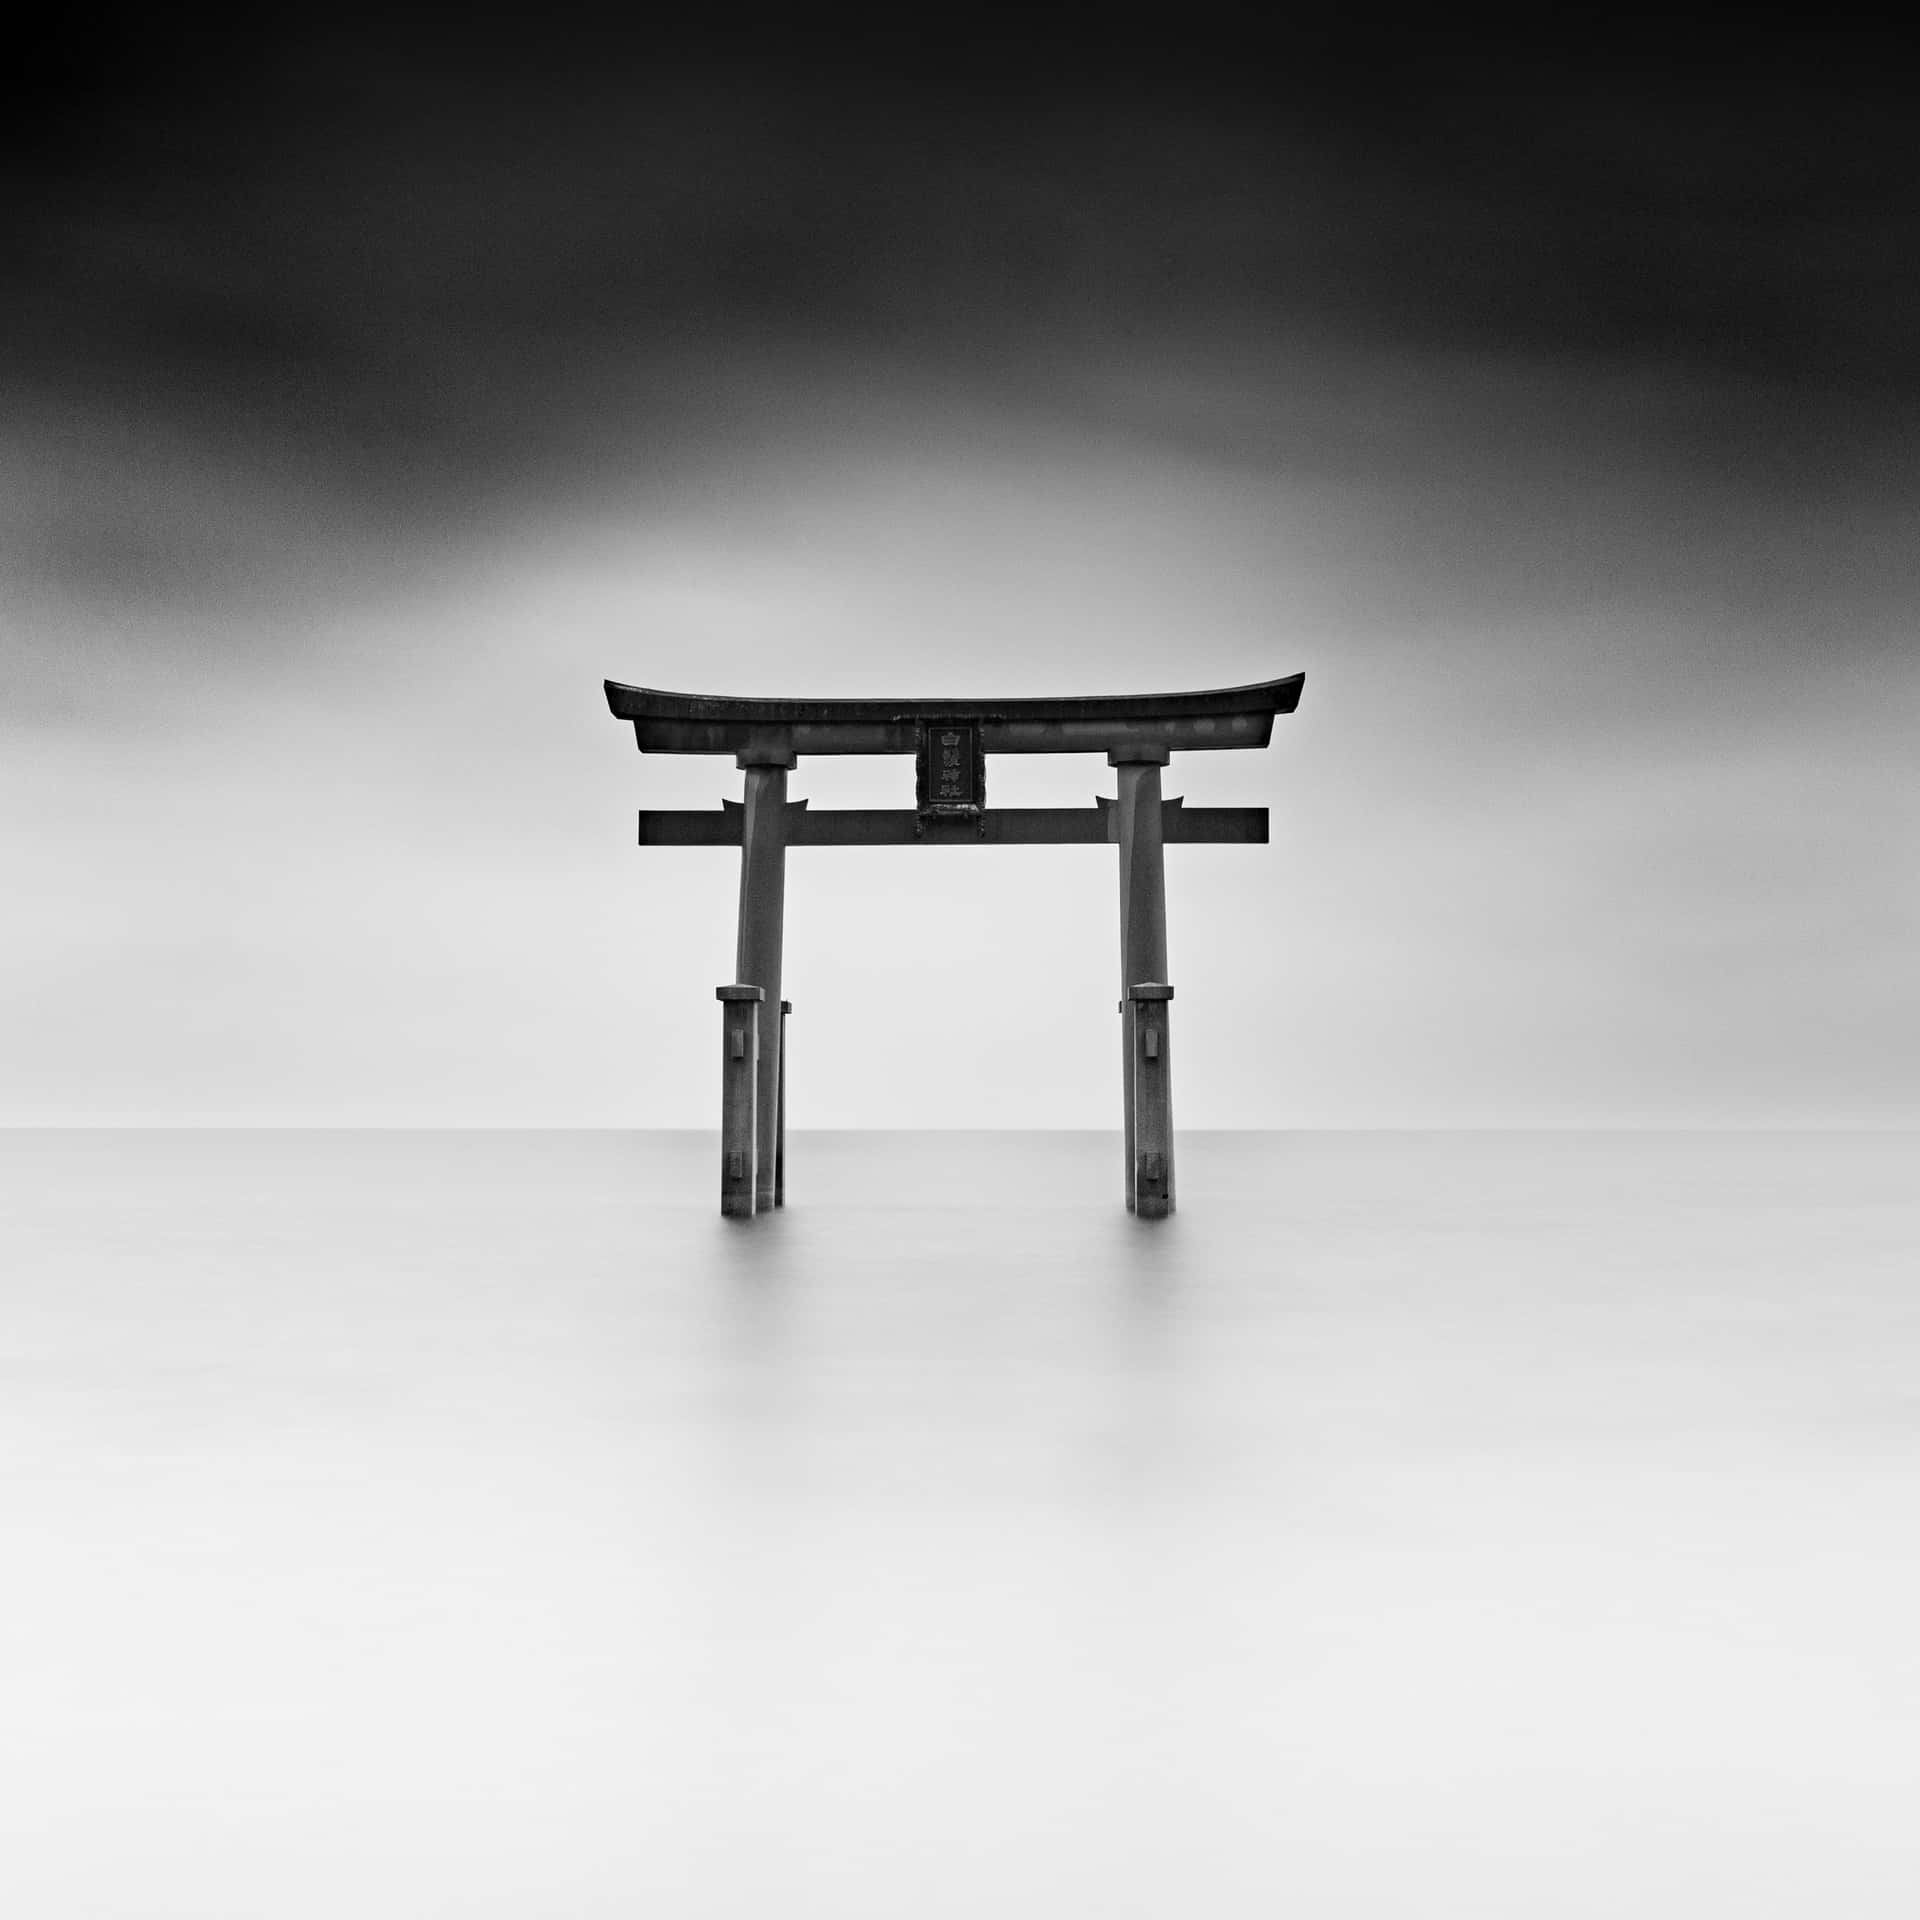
(366, 405)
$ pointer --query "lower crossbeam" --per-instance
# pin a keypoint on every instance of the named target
(1181, 825)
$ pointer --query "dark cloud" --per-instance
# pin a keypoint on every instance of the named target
(381, 237)
(1555, 410)
(413, 273)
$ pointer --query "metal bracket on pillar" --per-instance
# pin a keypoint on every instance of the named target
(1147, 1021)
(739, 1077)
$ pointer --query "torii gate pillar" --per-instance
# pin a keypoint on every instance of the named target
(763, 914)
(1138, 825)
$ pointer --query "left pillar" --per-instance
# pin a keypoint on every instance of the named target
(763, 909)
(739, 1074)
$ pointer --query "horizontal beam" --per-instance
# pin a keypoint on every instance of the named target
(996, 827)
(1220, 717)
(996, 736)
(1185, 826)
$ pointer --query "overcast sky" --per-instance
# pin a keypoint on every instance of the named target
(368, 401)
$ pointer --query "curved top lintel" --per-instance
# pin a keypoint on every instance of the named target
(652, 703)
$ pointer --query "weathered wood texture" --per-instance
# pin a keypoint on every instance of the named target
(1093, 826)
(1213, 719)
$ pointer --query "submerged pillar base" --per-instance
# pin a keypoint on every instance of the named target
(1151, 1184)
(739, 1080)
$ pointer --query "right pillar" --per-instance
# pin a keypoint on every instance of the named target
(757, 959)
(1147, 1008)
(1143, 964)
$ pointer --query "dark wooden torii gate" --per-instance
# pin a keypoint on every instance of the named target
(950, 740)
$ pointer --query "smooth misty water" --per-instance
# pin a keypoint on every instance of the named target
(476, 1525)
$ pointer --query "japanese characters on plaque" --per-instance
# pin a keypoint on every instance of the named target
(949, 768)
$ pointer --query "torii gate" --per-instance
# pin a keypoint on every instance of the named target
(950, 740)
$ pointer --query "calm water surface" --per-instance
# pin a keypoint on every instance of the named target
(476, 1525)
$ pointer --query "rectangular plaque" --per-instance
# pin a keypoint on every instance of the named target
(950, 769)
